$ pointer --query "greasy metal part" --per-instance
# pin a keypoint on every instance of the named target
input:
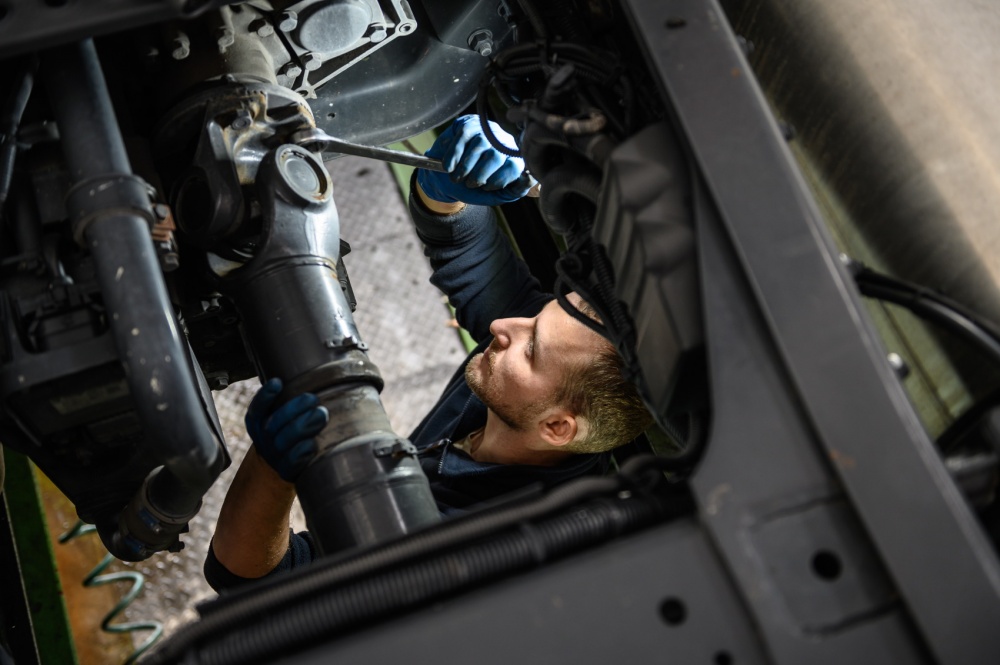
(115, 226)
(384, 28)
(236, 123)
(890, 102)
(851, 416)
(319, 141)
(365, 486)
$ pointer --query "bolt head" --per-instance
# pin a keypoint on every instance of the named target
(180, 49)
(224, 37)
(312, 62)
(242, 120)
(261, 27)
(481, 41)
(169, 262)
(291, 70)
(288, 21)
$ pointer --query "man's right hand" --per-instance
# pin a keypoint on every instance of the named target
(283, 436)
(478, 173)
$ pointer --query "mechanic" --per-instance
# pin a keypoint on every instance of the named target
(540, 400)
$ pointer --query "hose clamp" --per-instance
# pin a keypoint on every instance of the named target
(107, 195)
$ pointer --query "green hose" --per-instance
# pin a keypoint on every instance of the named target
(95, 578)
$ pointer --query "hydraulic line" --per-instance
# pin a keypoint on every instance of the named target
(96, 577)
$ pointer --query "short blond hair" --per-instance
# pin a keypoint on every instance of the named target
(598, 391)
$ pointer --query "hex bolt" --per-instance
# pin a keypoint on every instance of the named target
(290, 69)
(288, 21)
(481, 41)
(217, 380)
(169, 262)
(242, 120)
(311, 62)
(180, 46)
(260, 27)
(376, 32)
(898, 365)
(224, 37)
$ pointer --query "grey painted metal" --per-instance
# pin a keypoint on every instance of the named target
(931, 544)
(770, 501)
(658, 596)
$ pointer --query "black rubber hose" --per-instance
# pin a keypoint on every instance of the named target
(139, 312)
(482, 108)
(10, 122)
(931, 306)
(329, 611)
(535, 18)
(566, 21)
(560, 187)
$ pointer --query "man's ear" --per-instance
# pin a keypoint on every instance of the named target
(558, 427)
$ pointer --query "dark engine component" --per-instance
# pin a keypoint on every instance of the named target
(98, 381)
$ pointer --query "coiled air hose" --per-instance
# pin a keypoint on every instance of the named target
(96, 578)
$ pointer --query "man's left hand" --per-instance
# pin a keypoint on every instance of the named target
(283, 436)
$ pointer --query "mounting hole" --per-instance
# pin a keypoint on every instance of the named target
(723, 658)
(827, 565)
(331, 115)
(673, 611)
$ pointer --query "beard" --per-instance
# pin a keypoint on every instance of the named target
(515, 417)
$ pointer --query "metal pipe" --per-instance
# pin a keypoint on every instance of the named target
(110, 213)
(365, 486)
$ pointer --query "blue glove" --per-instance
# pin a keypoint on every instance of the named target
(283, 436)
(478, 173)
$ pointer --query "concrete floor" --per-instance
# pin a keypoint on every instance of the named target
(405, 322)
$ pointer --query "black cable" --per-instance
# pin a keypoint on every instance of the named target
(10, 122)
(535, 18)
(931, 306)
(482, 109)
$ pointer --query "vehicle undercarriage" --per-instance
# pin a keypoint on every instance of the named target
(737, 188)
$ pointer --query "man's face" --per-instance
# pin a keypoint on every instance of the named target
(520, 372)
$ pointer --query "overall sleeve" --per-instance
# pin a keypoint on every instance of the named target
(475, 266)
